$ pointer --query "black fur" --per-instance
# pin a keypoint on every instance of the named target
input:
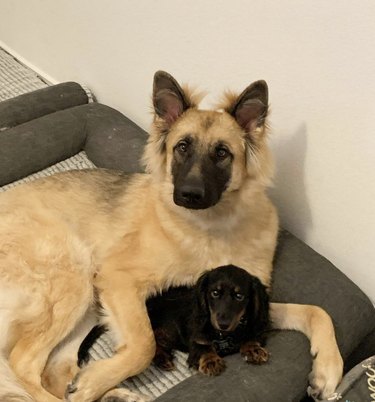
(227, 309)
(94, 334)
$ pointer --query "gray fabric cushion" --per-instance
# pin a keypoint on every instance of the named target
(112, 140)
(38, 103)
(282, 379)
(303, 276)
(32, 146)
(107, 136)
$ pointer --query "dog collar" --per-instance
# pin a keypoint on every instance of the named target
(225, 344)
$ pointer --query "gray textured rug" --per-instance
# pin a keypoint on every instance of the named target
(16, 79)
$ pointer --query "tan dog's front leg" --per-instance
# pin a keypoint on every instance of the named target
(124, 306)
(316, 324)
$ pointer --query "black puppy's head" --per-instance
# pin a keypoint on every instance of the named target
(229, 296)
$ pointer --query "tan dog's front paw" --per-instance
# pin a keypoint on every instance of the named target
(85, 387)
(211, 364)
(325, 376)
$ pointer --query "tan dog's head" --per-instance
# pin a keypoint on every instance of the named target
(205, 153)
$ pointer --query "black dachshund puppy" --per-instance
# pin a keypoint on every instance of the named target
(226, 312)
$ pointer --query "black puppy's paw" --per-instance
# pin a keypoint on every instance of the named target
(164, 361)
(254, 353)
(211, 364)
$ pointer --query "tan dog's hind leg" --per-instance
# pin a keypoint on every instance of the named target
(62, 365)
(316, 324)
(27, 361)
(135, 343)
(29, 355)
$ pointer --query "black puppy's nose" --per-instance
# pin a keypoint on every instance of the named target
(223, 326)
(192, 193)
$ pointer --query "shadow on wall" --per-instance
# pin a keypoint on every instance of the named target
(289, 192)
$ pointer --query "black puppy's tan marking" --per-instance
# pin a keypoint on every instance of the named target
(211, 364)
(254, 353)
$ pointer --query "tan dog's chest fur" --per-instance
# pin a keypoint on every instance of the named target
(173, 245)
(202, 204)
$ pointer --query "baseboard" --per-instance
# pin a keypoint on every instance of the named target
(46, 77)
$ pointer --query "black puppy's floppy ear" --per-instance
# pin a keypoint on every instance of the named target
(258, 309)
(201, 294)
(201, 313)
(251, 107)
(168, 97)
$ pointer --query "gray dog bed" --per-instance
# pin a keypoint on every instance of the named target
(55, 129)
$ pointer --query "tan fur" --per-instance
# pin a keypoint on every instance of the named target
(61, 235)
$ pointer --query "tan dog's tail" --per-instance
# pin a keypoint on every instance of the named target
(10, 390)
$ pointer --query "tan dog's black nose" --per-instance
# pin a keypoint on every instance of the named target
(192, 193)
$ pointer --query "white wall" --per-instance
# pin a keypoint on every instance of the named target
(318, 58)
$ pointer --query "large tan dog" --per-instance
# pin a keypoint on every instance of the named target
(202, 205)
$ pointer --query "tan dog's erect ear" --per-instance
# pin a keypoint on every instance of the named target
(168, 97)
(251, 107)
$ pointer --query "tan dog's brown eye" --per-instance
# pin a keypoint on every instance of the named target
(222, 152)
(215, 294)
(239, 296)
(182, 146)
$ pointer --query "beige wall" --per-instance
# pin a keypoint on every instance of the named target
(317, 56)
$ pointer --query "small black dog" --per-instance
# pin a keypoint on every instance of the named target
(226, 312)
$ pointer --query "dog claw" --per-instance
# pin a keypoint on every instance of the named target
(314, 393)
(211, 364)
(69, 391)
(71, 388)
(254, 353)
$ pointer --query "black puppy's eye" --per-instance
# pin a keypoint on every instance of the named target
(182, 146)
(215, 294)
(239, 296)
(221, 152)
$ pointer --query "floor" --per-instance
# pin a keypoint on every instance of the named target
(15, 78)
